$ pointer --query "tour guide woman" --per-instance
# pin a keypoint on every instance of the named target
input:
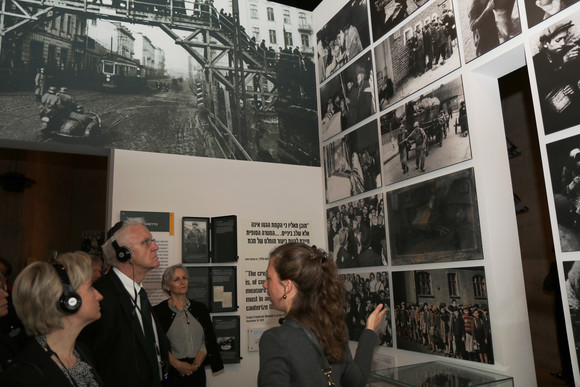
(189, 330)
(54, 302)
(303, 282)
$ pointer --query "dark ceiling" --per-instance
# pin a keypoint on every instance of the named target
(308, 5)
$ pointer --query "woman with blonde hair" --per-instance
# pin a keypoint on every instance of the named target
(54, 301)
(310, 348)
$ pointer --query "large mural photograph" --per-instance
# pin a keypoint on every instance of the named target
(440, 139)
(435, 220)
(145, 79)
(421, 51)
(443, 312)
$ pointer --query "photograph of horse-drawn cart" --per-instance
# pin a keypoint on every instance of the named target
(425, 134)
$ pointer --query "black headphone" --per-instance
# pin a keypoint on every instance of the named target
(123, 253)
(69, 301)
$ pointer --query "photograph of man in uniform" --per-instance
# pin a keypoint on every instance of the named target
(556, 66)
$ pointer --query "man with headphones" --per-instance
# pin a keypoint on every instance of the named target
(128, 344)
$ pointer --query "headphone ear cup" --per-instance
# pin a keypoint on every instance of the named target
(69, 302)
(123, 253)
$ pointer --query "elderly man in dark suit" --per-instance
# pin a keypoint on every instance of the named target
(129, 345)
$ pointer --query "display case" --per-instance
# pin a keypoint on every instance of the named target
(437, 373)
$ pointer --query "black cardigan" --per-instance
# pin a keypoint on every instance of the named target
(201, 314)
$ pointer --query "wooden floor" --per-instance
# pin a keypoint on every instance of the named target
(545, 379)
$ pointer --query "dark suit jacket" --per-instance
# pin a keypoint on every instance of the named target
(117, 340)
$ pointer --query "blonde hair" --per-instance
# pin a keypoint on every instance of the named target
(38, 288)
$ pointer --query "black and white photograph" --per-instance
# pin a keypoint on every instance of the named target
(387, 14)
(342, 38)
(443, 312)
(440, 137)
(564, 162)
(348, 98)
(106, 75)
(356, 233)
(572, 275)
(364, 291)
(540, 10)
(435, 220)
(485, 24)
(420, 52)
(227, 331)
(352, 163)
(555, 57)
(195, 243)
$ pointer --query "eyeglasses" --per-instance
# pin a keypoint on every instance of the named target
(147, 242)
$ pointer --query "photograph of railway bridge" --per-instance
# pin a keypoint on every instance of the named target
(223, 79)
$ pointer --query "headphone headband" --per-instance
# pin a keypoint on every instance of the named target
(123, 253)
(69, 302)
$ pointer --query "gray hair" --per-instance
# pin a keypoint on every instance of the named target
(121, 238)
(168, 275)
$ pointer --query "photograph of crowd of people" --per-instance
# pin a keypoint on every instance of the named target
(364, 291)
(342, 38)
(439, 139)
(352, 163)
(195, 236)
(572, 275)
(348, 98)
(539, 10)
(564, 161)
(386, 14)
(443, 312)
(421, 51)
(356, 233)
(555, 57)
(435, 221)
(485, 24)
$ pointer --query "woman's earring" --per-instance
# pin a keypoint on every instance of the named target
(284, 296)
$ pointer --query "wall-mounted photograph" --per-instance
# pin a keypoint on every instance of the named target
(352, 163)
(364, 291)
(564, 161)
(555, 57)
(485, 24)
(348, 98)
(356, 233)
(540, 10)
(435, 221)
(386, 14)
(195, 240)
(342, 38)
(443, 312)
(440, 139)
(418, 53)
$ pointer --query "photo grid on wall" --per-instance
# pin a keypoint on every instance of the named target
(555, 51)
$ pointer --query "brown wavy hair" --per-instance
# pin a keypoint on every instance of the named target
(319, 302)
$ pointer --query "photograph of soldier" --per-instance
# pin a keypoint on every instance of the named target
(555, 57)
(356, 233)
(485, 24)
(352, 163)
(539, 10)
(443, 312)
(364, 291)
(564, 161)
(438, 113)
(423, 50)
(195, 240)
(386, 14)
(572, 276)
(435, 221)
(342, 38)
(348, 98)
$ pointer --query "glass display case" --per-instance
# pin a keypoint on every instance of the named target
(437, 374)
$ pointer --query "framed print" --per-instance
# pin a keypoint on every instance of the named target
(418, 53)
(352, 164)
(435, 309)
(364, 291)
(342, 38)
(540, 10)
(483, 29)
(356, 233)
(442, 116)
(435, 221)
(224, 294)
(195, 240)
(385, 15)
(224, 239)
(556, 62)
(227, 332)
(199, 284)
